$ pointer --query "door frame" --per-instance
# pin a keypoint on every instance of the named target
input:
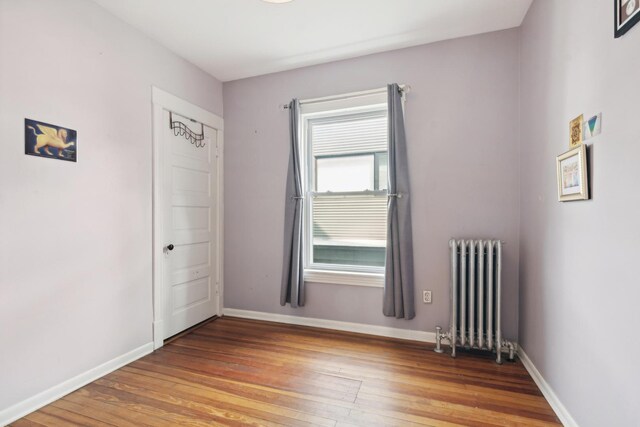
(161, 101)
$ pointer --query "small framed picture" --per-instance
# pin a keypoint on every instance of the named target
(50, 141)
(627, 14)
(572, 175)
(575, 131)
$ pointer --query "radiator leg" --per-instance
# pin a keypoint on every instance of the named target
(498, 349)
(438, 348)
(452, 342)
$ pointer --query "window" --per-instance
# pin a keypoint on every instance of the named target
(345, 150)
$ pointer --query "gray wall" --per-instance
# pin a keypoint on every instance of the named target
(462, 126)
(75, 252)
(579, 285)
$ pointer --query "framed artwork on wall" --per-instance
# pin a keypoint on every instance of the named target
(627, 14)
(50, 141)
(575, 131)
(572, 175)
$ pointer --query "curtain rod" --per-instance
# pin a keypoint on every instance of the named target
(404, 88)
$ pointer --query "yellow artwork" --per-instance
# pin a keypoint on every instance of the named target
(575, 132)
(45, 140)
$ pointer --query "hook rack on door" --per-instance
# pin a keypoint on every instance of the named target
(181, 129)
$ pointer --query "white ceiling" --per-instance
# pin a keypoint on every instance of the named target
(233, 39)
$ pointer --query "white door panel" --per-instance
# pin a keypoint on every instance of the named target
(186, 295)
(190, 218)
(190, 199)
(190, 181)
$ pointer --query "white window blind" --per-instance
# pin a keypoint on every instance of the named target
(350, 136)
(357, 220)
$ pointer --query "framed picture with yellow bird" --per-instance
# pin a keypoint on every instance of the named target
(50, 141)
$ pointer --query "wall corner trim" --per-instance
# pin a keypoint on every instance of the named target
(565, 417)
(361, 328)
(54, 393)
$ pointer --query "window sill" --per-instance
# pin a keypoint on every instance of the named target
(372, 280)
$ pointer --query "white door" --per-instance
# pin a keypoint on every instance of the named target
(189, 222)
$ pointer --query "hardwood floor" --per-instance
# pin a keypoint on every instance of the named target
(236, 372)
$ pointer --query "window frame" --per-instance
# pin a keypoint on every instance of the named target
(341, 274)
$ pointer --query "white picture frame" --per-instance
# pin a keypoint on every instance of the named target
(573, 181)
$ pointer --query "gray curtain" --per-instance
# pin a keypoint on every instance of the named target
(398, 280)
(292, 269)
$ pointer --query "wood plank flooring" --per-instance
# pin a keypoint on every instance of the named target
(235, 372)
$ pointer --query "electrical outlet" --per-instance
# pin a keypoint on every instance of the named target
(426, 297)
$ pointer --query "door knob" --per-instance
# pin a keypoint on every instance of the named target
(170, 246)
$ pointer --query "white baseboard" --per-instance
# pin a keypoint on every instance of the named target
(41, 399)
(560, 410)
(383, 331)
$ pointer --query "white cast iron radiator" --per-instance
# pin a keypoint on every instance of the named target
(476, 294)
